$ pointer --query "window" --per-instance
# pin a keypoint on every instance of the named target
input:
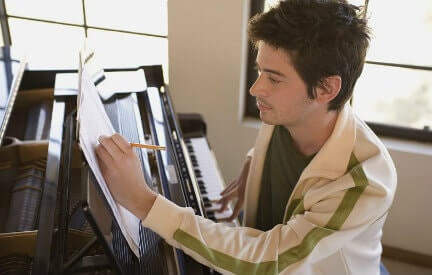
(394, 92)
(123, 33)
(396, 84)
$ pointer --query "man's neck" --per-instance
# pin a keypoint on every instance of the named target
(311, 135)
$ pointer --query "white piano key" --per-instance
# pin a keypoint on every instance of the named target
(223, 215)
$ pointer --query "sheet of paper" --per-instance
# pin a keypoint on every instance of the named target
(94, 122)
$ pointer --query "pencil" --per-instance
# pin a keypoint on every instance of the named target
(147, 146)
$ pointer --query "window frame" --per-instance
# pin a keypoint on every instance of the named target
(381, 129)
(4, 16)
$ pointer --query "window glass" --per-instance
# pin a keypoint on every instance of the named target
(69, 11)
(402, 31)
(149, 16)
(270, 3)
(115, 49)
(393, 95)
(47, 45)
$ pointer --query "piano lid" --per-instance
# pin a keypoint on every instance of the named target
(11, 72)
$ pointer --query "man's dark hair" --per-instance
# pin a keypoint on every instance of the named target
(323, 37)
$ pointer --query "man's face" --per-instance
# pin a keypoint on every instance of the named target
(280, 93)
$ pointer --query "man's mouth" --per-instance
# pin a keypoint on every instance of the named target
(262, 106)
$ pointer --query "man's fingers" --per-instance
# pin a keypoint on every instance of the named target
(223, 207)
(237, 209)
(109, 145)
(235, 213)
(104, 158)
(121, 142)
(230, 194)
(225, 196)
(224, 201)
(230, 187)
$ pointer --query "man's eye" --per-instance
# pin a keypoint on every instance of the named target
(274, 81)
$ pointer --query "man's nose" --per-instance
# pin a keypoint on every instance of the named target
(258, 88)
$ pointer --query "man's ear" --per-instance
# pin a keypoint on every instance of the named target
(329, 89)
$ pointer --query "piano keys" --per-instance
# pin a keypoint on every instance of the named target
(209, 179)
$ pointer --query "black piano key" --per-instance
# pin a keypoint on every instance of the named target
(210, 215)
(190, 148)
(200, 183)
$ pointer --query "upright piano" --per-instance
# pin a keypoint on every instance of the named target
(53, 216)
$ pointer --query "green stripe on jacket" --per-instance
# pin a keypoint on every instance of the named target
(293, 254)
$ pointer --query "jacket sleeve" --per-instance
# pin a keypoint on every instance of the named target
(323, 221)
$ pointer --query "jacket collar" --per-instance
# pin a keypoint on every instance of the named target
(332, 159)
(330, 162)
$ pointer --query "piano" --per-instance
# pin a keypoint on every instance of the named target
(53, 218)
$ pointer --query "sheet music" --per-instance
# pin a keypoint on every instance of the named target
(94, 122)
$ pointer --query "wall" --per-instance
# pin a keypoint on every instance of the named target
(204, 41)
(205, 46)
(409, 223)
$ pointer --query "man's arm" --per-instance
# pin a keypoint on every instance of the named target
(324, 221)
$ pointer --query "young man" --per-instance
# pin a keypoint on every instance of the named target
(319, 183)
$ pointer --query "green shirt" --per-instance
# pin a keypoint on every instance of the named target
(282, 169)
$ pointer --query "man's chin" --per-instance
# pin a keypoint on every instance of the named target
(266, 119)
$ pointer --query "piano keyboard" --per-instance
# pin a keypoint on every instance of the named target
(208, 176)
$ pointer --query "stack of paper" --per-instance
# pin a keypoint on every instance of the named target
(94, 122)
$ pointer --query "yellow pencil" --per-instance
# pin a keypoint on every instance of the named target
(147, 146)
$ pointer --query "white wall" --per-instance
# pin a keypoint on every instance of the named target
(409, 223)
(205, 42)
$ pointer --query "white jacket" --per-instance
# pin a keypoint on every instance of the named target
(333, 218)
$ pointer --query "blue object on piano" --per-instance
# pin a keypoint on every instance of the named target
(383, 270)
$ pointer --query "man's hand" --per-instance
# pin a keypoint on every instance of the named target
(235, 190)
(122, 172)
